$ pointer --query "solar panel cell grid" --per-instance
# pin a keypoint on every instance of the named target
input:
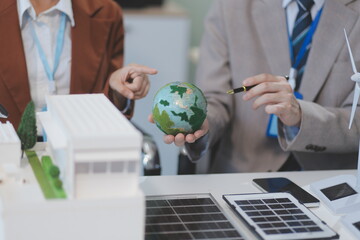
(274, 224)
(187, 218)
(278, 217)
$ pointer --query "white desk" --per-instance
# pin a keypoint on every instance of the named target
(219, 184)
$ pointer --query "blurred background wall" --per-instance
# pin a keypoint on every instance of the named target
(196, 10)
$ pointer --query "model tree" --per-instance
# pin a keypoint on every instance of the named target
(27, 129)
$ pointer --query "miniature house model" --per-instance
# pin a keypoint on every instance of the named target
(98, 153)
(9, 145)
(95, 146)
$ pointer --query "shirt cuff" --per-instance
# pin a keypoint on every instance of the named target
(127, 107)
(290, 133)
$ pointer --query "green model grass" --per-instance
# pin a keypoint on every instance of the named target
(49, 183)
(52, 173)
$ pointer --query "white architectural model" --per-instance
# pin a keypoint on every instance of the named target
(98, 153)
(10, 147)
(94, 145)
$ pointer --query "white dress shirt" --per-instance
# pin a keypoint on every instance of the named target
(292, 10)
(46, 26)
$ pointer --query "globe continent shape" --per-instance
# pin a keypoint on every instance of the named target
(179, 107)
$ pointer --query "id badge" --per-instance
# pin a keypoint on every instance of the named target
(272, 128)
(272, 131)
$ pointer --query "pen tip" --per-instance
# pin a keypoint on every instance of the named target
(230, 92)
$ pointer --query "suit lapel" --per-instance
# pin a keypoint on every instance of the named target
(326, 45)
(12, 61)
(269, 20)
(89, 41)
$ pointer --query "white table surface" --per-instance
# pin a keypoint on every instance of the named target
(219, 184)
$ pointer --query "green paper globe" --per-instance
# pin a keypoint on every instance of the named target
(179, 107)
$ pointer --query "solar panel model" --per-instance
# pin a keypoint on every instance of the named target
(187, 217)
(278, 216)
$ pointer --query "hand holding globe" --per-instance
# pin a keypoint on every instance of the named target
(179, 110)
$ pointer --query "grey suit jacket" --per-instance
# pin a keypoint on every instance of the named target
(244, 38)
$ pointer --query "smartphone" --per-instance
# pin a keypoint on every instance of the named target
(280, 184)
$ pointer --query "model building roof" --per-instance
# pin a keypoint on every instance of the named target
(8, 133)
(91, 118)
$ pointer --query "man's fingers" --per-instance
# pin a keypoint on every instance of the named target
(272, 98)
(151, 118)
(179, 139)
(261, 89)
(267, 87)
(265, 77)
(265, 99)
(190, 138)
(289, 115)
(168, 139)
(199, 133)
(276, 109)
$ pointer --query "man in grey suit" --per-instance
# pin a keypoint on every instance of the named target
(250, 42)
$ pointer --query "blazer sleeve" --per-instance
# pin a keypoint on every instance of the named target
(214, 78)
(325, 129)
(325, 117)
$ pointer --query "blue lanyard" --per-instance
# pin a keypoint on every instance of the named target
(295, 62)
(59, 47)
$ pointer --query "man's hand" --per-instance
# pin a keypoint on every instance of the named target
(132, 81)
(276, 94)
(180, 139)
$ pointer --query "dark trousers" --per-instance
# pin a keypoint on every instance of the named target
(291, 164)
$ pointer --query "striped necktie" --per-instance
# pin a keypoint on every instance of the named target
(301, 27)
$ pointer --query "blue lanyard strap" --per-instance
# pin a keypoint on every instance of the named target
(58, 50)
(295, 62)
